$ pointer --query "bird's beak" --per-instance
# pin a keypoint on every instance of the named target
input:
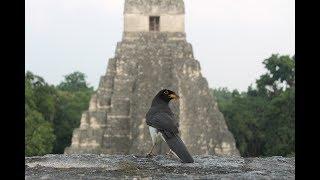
(174, 96)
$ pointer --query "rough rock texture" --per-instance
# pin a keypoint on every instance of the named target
(145, 63)
(159, 167)
(154, 6)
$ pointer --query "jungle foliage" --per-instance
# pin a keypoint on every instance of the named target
(262, 119)
(52, 112)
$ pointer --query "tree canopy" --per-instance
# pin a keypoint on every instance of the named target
(73, 82)
(39, 136)
(51, 113)
(262, 119)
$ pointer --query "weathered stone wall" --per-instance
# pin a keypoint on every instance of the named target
(140, 22)
(136, 23)
(169, 23)
(154, 7)
(137, 13)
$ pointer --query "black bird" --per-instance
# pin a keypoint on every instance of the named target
(162, 124)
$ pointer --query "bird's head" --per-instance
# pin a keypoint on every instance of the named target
(167, 95)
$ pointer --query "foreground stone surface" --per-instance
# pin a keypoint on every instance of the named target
(89, 166)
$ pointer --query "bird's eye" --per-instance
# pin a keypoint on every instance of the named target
(166, 92)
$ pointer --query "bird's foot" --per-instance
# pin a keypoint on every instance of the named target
(170, 154)
(150, 155)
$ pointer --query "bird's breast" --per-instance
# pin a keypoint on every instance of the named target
(156, 136)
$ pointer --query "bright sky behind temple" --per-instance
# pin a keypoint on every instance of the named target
(230, 38)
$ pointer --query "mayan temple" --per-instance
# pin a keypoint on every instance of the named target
(152, 55)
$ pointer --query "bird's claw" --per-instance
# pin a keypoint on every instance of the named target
(170, 154)
(150, 155)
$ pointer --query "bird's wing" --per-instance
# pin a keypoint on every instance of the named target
(163, 122)
(169, 130)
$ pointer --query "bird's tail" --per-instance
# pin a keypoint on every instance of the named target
(178, 147)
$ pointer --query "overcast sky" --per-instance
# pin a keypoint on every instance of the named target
(230, 38)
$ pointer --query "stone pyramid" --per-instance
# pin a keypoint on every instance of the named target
(152, 55)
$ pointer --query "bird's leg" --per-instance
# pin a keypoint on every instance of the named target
(150, 154)
(170, 153)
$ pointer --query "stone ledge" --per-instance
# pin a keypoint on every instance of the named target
(88, 166)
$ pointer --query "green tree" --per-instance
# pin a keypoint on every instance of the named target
(279, 122)
(45, 95)
(262, 119)
(280, 75)
(39, 137)
(73, 98)
(51, 113)
(73, 82)
(223, 96)
(279, 125)
(243, 121)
